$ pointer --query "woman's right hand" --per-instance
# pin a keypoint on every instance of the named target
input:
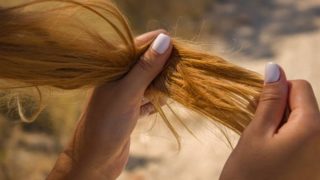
(272, 149)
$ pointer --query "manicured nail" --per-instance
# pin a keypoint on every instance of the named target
(272, 73)
(161, 43)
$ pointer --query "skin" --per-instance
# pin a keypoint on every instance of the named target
(269, 148)
(100, 146)
(273, 147)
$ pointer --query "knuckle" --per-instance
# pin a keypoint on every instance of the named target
(273, 93)
(270, 95)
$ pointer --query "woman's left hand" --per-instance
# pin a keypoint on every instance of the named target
(100, 146)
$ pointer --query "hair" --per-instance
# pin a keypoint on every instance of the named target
(57, 47)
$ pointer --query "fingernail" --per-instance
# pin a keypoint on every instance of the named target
(272, 73)
(161, 43)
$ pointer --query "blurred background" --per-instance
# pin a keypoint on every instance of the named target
(246, 32)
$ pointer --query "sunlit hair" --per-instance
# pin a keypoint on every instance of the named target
(64, 46)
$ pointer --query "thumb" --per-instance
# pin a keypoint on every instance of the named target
(149, 65)
(272, 102)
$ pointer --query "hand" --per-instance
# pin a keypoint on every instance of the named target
(100, 147)
(271, 148)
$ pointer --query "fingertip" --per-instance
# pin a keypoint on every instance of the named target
(302, 97)
(273, 99)
(159, 52)
(161, 44)
(283, 77)
(150, 63)
(275, 78)
(274, 73)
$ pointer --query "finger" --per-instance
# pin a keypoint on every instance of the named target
(144, 101)
(272, 102)
(146, 110)
(147, 37)
(149, 66)
(162, 101)
(147, 107)
(303, 121)
(302, 98)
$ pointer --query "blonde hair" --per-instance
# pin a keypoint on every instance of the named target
(52, 47)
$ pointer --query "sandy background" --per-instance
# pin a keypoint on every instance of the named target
(247, 32)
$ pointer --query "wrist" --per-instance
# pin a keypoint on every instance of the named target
(61, 169)
(67, 169)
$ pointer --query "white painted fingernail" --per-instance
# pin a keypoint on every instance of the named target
(161, 43)
(272, 72)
